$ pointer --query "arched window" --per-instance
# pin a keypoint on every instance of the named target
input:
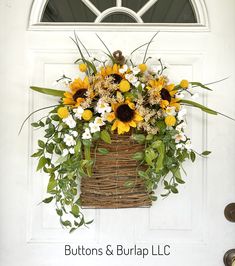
(119, 12)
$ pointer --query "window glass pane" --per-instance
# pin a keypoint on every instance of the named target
(67, 11)
(119, 17)
(103, 4)
(135, 5)
(163, 11)
(170, 11)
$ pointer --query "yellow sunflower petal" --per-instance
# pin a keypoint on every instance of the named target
(170, 87)
(86, 82)
(115, 68)
(164, 103)
(68, 101)
(137, 117)
(111, 117)
(132, 124)
(68, 95)
(115, 125)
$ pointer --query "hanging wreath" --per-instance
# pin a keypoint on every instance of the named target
(114, 135)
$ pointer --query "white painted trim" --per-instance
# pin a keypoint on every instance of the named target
(146, 7)
(199, 6)
(114, 10)
(92, 7)
(118, 3)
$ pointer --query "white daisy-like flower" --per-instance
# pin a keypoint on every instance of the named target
(103, 107)
(99, 121)
(181, 114)
(181, 126)
(153, 69)
(179, 146)
(94, 127)
(179, 137)
(132, 79)
(69, 140)
(86, 134)
(74, 133)
(188, 145)
(70, 121)
(135, 70)
(123, 69)
(171, 111)
(71, 151)
(65, 152)
(78, 112)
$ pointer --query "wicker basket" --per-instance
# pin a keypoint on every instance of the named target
(108, 187)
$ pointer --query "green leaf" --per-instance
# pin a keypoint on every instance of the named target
(200, 106)
(75, 211)
(41, 144)
(55, 118)
(42, 162)
(77, 148)
(205, 153)
(66, 223)
(103, 151)
(35, 125)
(192, 156)
(160, 146)
(174, 190)
(140, 138)
(105, 136)
(198, 84)
(89, 222)
(47, 91)
(51, 184)
(50, 148)
(38, 153)
(48, 200)
(150, 155)
(138, 156)
(59, 212)
(149, 137)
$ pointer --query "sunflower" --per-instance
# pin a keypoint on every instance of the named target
(168, 97)
(78, 93)
(125, 117)
(165, 92)
(112, 71)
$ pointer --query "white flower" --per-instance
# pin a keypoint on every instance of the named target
(74, 133)
(188, 145)
(181, 126)
(94, 127)
(99, 121)
(69, 140)
(171, 111)
(132, 79)
(103, 107)
(181, 114)
(123, 69)
(86, 134)
(70, 121)
(78, 112)
(180, 146)
(135, 70)
(179, 137)
(65, 152)
(153, 69)
(71, 151)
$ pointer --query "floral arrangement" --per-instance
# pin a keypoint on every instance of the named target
(117, 96)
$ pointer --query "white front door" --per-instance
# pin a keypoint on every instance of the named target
(190, 228)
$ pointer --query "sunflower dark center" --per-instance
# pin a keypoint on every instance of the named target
(116, 78)
(81, 93)
(165, 95)
(124, 113)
